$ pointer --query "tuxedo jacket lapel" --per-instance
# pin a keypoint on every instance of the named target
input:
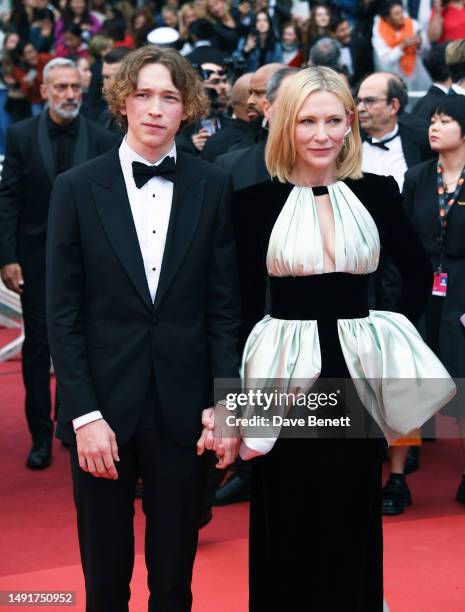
(82, 144)
(45, 147)
(112, 203)
(410, 148)
(81, 149)
(186, 207)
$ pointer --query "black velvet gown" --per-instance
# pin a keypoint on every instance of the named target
(315, 530)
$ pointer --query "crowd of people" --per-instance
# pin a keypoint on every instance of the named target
(404, 64)
(354, 37)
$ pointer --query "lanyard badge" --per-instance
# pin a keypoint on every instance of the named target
(445, 204)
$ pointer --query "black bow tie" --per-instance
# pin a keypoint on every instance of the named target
(143, 173)
(382, 143)
(66, 129)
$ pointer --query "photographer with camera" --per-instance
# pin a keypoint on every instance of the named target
(193, 138)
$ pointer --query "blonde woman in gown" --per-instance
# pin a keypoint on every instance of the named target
(314, 236)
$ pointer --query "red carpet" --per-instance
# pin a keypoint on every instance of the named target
(424, 548)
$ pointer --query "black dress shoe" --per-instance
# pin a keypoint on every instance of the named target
(40, 456)
(460, 497)
(236, 489)
(396, 496)
(206, 517)
(412, 461)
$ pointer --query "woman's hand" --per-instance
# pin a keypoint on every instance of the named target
(218, 439)
(250, 43)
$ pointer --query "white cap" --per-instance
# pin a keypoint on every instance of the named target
(163, 36)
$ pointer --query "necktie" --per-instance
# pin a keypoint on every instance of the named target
(382, 143)
(143, 173)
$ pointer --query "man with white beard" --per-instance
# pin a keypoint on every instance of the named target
(37, 150)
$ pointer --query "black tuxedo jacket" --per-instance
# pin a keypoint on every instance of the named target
(425, 106)
(414, 139)
(247, 165)
(239, 134)
(27, 179)
(108, 341)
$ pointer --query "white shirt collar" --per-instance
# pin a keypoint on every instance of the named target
(128, 155)
(388, 135)
(442, 87)
(202, 43)
(458, 89)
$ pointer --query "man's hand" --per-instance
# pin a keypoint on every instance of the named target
(200, 139)
(410, 41)
(213, 438)
(12, 276)
(97, 449)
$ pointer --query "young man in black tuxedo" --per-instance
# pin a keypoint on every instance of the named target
(37, 150)
(143, 314)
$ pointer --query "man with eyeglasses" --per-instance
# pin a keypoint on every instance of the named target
(390, 145)
(37, 150)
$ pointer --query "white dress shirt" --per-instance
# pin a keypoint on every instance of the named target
(151, 209)
(442, 87)
(458, 89)
(386, 163)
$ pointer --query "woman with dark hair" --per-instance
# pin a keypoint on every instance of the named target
(116, 28)
(28, 73)
(227, 24)
(77, 12)
(142, 22)
(318, 24)
(260, 47)
(291, 43)
(19, 19)
(434, 196)
(73, 45)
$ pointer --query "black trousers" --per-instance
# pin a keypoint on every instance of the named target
(36, 357)
(174, 479)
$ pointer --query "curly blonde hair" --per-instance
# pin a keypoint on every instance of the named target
(183, 75)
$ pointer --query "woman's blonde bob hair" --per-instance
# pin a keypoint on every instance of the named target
(280, 152)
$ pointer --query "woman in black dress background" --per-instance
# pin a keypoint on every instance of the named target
(444, 240)
(314, 236)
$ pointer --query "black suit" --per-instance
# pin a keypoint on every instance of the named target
(184, 138)
(441, 325)
(149, 368)
(238, 135)
(426, 105)
(247, 165)
(29, 171)
(206, 54)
